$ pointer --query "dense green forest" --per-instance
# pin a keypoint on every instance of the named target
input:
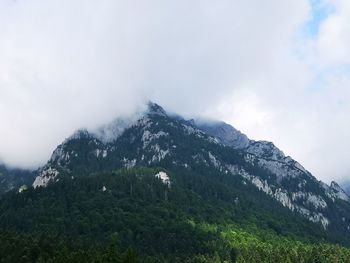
(230, 245)
(132, 216)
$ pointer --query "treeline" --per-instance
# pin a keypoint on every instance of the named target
(27, 249)
(239, 246)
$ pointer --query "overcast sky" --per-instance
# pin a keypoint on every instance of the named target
(276, 70)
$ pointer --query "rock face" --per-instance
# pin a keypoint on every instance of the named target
(164, 177)
(157, 139)
(225, 133)
(336, 192)
(45, 177)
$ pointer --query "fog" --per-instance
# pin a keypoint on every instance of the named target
(276, 70)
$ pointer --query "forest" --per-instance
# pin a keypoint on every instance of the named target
(133, 216)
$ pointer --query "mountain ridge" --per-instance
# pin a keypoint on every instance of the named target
(150, 141)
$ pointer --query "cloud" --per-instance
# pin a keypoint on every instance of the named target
(301, 103)
(70, 64)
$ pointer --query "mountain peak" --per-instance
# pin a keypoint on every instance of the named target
(80, 134)
(155, 109)
(336, 186)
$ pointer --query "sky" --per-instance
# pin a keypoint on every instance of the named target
(276, 70)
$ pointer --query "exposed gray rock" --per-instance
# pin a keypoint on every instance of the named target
(224, 132)
(334, 191)
(266, 150)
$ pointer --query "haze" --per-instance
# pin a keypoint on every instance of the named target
(276, 70)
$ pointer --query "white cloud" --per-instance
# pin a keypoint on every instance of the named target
(303, 101)
(67, 64)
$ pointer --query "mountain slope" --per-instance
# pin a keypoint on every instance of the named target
(175, 216)
(158, 139)
(346, 186)
(290, 183)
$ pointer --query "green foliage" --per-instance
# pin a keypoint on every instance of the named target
(198, 220)
(251, 248)
(26, 249)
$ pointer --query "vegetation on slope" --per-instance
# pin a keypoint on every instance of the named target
(201, 217)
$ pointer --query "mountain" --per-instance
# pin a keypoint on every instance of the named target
(164, 184)
(159, 139)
